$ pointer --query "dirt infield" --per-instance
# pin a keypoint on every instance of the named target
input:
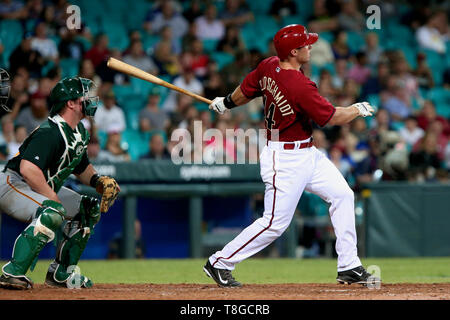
(440, 291)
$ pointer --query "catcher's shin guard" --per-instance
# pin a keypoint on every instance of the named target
(62, 271)
(30, 243)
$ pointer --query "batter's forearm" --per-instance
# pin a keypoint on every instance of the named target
(35, 178)
(238, 97)
(343, 115)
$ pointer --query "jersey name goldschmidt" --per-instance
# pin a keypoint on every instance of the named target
(56, 149)
(291, 100)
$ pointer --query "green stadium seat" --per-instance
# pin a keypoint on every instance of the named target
(11, 33)
(69, 67)
(222, 58)
(132, 118)
(260, 6)
(149, 41)
(355, 41)
(328, 36)
(441, 98)
(209, 45)
(134, 142)
(374, 100)
(297, 19)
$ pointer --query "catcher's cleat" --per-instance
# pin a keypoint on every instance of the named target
(222, 277)
(15, 283)
(357, 275)
(73, 282)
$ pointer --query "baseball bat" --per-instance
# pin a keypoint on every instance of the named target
(141, 74)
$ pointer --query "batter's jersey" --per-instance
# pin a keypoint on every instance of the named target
(56, 149)
(291, 100)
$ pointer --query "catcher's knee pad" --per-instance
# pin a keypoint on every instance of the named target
(50, 216)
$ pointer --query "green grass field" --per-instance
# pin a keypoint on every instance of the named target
(254, 270)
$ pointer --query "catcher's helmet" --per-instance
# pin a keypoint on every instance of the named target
(292, 37)
(72, 89)
(4, 89)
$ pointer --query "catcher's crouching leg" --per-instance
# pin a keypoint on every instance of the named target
(28, 245)
(63, 271)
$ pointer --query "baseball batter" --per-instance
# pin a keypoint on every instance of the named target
(31, 190)
(289, 162)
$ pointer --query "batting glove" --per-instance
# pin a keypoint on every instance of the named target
(364, 108)
(218, 106)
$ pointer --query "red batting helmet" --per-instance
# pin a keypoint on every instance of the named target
(292, 37)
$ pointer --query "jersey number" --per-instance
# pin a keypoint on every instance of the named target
(269, 117)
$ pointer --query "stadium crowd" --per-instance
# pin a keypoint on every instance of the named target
(207, 47)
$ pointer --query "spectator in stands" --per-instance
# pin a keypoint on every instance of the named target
(6, 136)
(282, 9)
(321, 52)
(372, 49)
(376, 83)
(339, 46)
(187, 81)
(109, 75)
(133, 35)
(168, 16)
(139, 59)
(320, 140)
(37, 113)
(423, 73)
(151, 117)
(208, 26)
(335, 154)
(236, 13)
(183, 103)
(349, 93)
(428, 115)
(166, 60)
(43, 44)
(194, 11)
(406, 79)
(350, 18)
(231, 42)
(24, 55)
(326, 88)
(446, 78)
(48, 15)
(93, 148)
(110, 117)
(214, 86)
(99, 51)
(341, 68)
(12, 9)
(188, 116)
(434, 34)
(18, 96)
(20, 134)
(381, 123)
(411, 132)
(359, 72)
(189, 37)
(426, 157)
(70, 46)
(394, 100)
(157, 148)
(167, 36)
(113, 150)
(234, 72)
(322, 18)
(196, 59)
(87, 71)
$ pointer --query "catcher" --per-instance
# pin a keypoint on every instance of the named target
(31, 190)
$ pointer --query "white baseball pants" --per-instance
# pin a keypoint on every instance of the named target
(286, 174)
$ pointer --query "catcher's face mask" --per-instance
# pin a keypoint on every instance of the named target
(89, 102)
(4, 89)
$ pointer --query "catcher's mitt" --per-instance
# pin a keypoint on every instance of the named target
(109, 189)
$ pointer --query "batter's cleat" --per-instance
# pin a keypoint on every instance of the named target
(357, 275)
(73, 282)
(15, 283)
(222, 277)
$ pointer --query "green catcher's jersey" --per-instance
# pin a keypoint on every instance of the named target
(56, 149)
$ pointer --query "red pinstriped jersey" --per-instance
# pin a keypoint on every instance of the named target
(291, 100)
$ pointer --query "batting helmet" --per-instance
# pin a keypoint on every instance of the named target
(292, 37)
